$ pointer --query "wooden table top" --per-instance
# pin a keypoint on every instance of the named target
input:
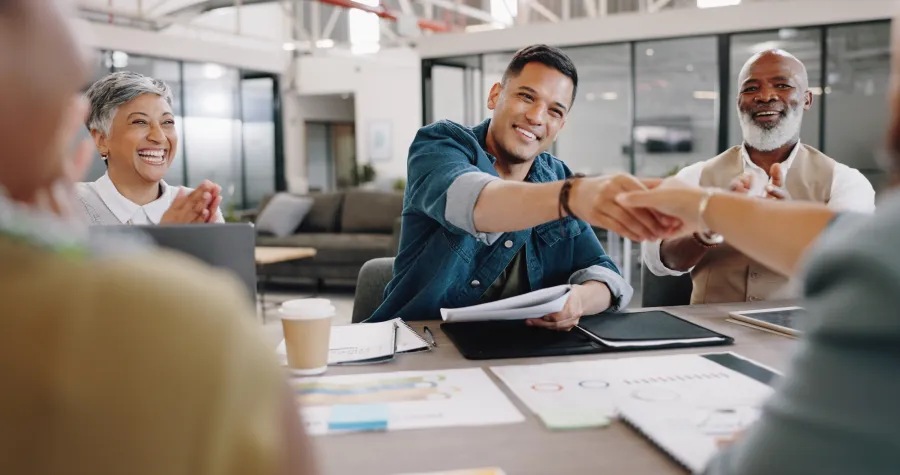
(274, 255)
(528, 448)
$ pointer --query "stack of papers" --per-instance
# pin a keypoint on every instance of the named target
(522, 307)
(404, 400)
(685, 404)
(365, 343)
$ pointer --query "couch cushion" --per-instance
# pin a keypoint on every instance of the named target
(324, 217)
(283, 214)
(370, 211)
(335, 248)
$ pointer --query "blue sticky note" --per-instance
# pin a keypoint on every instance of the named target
(359, 417)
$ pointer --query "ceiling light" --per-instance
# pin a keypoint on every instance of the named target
(816, 91)
(119, 59)
(717, 3)
(484, 27)
(289, 46)
(590, 97)
(213, 71)
(326, 43)
(690, 68)
(650, 51)
(609, 96)
(706, 95)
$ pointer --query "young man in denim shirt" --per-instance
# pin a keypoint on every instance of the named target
(488, 214)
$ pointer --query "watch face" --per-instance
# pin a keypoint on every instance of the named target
(709, 238)
(715, 238)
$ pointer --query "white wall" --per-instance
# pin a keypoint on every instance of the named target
(386, 87)
(748, 16)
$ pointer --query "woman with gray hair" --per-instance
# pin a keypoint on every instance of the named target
(133, 127)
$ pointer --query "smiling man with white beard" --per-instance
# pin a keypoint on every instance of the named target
(772, 163)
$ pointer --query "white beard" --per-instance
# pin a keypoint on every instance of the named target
(766, 140)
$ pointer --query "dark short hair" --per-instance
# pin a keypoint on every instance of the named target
(546, 55)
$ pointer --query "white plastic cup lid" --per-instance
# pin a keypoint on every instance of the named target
(306, 309)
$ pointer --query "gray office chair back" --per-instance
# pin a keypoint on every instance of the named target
(665, 291)
(373, 279)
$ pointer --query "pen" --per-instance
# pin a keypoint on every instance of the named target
(430, 337)
(396, 329)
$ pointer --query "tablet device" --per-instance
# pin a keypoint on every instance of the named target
(784, 320)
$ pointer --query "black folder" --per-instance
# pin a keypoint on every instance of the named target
(652, 330)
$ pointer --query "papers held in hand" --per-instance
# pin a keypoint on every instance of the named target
(522, 307)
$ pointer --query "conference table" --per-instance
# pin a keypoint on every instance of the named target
(529, 448)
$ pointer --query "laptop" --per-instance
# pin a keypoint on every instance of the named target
(228, 246)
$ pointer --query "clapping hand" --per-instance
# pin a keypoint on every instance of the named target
(198, 206)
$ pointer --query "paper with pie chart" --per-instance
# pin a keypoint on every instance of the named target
(719, 401)
(402, 400)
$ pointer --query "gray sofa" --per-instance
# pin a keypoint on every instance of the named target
(346, 228)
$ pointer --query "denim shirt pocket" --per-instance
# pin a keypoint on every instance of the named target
(551, 233)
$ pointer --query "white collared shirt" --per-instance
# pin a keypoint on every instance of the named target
(127, 212)
(850, 191)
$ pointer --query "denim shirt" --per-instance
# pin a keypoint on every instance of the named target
(444, 262)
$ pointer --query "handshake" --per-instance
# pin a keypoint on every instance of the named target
(640, 209)
(647, 209)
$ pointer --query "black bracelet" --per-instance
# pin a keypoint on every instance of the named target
(564, 209)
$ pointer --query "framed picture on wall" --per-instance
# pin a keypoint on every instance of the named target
(380, 135)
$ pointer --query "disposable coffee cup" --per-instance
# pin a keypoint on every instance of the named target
(307, 332)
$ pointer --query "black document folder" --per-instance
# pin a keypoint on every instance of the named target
(603, 333)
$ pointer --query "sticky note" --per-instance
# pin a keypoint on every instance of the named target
(359, 417)
(569, 419)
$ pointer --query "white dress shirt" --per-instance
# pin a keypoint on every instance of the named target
(850, 191)
(127, 212)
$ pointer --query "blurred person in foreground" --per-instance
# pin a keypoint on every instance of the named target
(772, 163)
(133, 128)
(148, 364)
(836, 410)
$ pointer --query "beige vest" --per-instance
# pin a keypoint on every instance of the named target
(724, 274)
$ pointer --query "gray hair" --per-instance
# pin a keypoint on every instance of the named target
(106, 95)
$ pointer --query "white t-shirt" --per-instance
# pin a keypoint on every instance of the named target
(127, 212)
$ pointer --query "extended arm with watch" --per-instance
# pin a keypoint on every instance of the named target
(682, 254)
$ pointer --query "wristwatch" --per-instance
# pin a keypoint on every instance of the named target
(707, 238)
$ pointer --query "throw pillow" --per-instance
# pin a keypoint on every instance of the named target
(283, 214)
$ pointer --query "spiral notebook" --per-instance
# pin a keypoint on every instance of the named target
(368, 343)
(695, 403)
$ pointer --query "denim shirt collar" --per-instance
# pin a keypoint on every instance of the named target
(540, 171)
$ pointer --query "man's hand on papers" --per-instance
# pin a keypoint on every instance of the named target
(570, 315)
(594, 200)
